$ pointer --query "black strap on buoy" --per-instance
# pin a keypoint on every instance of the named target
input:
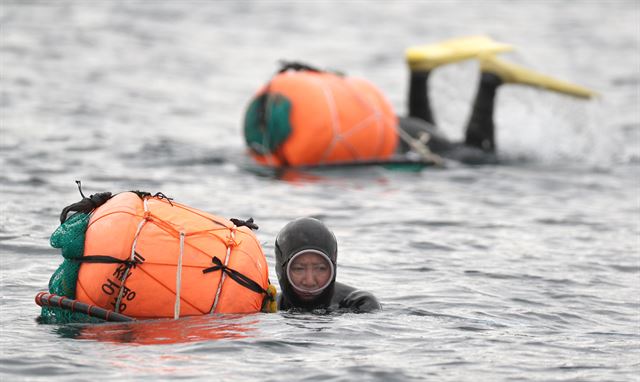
(245, 223)
(104, 259)
(236, 276)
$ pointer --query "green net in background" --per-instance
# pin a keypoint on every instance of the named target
(265, 137)
(69, 237)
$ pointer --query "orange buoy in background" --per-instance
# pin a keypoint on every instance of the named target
(310, 117)
(149, 257)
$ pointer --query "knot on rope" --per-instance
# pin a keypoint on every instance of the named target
(244, 223)
(86, 205)
(235, 276)
(159, 195)
(218, 265)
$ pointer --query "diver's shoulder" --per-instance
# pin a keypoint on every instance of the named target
(341, 290)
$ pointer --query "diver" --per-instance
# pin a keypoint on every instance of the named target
(418, 131)
(305, 116)
(306, 265)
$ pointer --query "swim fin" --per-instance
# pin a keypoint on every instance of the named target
(512, 73)
(427, 57)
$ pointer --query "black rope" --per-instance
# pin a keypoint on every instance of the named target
(121, 272)
(236, 276)
(102, 259)
(300, 66)
(79, 183)
(245, 223)
(159, 195)
(86, 205)
(142, 194)
(297, 66)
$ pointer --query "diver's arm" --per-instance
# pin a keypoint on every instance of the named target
(360, 301)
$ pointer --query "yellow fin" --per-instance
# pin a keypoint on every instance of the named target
(512, 73)
(427, 57)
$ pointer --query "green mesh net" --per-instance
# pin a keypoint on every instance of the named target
(69, 237)
(265, 133)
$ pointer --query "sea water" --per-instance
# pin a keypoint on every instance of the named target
(524, 271)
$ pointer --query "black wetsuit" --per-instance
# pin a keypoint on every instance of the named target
(344, 297)
(479, 144)
(311, 234)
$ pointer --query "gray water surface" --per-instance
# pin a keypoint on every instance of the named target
(524, 271)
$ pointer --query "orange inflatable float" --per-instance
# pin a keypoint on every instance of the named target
(149, 257)
(306, 117)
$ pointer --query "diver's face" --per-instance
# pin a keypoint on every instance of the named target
(309, 273)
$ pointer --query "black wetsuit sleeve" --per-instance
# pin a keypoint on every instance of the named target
(360, 301)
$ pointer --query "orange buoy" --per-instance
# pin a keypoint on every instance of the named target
(148, 257)
(307, 117)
